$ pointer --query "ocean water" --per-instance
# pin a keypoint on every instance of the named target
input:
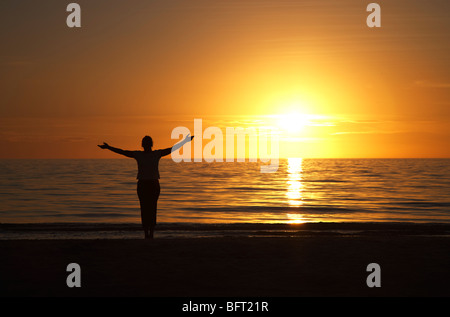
(103, 191)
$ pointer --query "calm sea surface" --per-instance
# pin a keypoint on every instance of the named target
(303, 190)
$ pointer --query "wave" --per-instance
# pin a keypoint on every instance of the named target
(324, 181)
(427, 204)
(300, 209)
(210, 230)
(255, 188)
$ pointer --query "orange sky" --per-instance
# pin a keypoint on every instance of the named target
(146, 67)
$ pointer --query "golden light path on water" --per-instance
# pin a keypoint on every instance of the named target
(294, 188)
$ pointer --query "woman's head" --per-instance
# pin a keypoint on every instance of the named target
(147, 142)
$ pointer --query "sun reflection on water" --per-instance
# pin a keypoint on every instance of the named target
(294, 181)
(294, 188)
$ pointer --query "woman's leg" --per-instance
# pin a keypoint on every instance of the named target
(148, 193)
(143, 200)
(154, 195)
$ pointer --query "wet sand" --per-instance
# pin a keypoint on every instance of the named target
(316, 265)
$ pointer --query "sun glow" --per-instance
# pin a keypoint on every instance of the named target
(292, 122)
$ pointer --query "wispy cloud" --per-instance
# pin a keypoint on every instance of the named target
(368, 132)
(366, 127)
(388, 126)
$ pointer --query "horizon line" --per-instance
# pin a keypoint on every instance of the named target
(224, 159)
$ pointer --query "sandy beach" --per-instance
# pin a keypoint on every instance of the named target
(320, 265)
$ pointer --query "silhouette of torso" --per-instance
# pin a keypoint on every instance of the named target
(148, 162)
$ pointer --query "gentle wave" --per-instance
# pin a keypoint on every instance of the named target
(310, 209)
(190, 230)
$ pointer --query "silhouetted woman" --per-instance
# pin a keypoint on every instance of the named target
(148, 188)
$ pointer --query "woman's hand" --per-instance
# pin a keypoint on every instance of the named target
(103, 146)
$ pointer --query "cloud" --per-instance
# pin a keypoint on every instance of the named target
(368, 132)
(370, 127)
(393, 126)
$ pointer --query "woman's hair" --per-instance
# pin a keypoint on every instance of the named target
(147, 142)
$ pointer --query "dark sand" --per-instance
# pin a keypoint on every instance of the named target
(281, 266)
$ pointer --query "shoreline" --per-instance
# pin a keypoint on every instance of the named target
(14, 231)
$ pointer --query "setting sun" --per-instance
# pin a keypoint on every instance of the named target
(292, 122)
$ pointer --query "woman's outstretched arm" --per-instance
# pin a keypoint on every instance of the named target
(116, 150)
(177, 146)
